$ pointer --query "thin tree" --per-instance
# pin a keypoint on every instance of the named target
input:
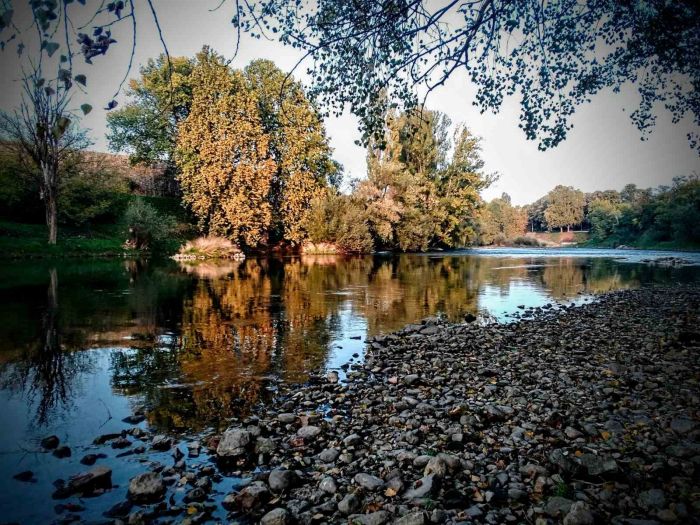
(41, 133)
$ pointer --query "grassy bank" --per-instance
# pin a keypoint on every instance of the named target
(19, 240)
(643, 245)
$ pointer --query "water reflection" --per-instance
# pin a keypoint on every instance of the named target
(200, 343)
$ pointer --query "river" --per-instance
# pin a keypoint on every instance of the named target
(84, 343)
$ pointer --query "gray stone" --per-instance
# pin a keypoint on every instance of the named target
(422, 488)
(281, 480)
(308, 432)
(234, 443)
(557, 506)
(349, 504)
(277, 516)
(328, 485)
(652, 499)
(436, 466)
(373, 518)
(286, 418)
(368, 482)
(414, 518)
(579, 514)
(329, 455)
(146, 488)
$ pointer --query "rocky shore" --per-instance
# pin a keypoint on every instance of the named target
(576, 415)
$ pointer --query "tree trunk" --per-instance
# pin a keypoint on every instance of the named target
(50, 206)
(51, 213)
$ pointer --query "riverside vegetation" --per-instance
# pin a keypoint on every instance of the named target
(273, 184)
(447, 423)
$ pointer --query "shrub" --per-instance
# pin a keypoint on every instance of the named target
(86, 197)
(526, 241)
(211, 247)
(147, 229)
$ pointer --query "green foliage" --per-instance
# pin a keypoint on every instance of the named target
(670, 217)
(147, 229)
(159, 100)
(501, 222)
(565, 207)
(19, 191)
(416, 195)
(556, 54)
(86, 196)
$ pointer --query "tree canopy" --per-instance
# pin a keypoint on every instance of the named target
(367, 55)
(250, 160)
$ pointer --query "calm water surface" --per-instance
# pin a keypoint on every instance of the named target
(82, 344)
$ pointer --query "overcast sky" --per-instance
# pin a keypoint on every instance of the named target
(603, 151)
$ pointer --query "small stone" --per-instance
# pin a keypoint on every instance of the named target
(352, 439)
(368, 482)
(281, 480)
(308, 432)
(146, 488)
(557, 506)
(329, 455)
(234, 443)
(652, 499)
(373, 518)
(62, 452)
(120, 443)
(119, 510)
(328, 485)
(414, 518)
(251, 497)
(277, 516)
(50, 442)
(286, 418)
(134, 419)
(86, 482)
(411, 379)
(436, 466)
(161, 443)
(422, 488)
(332, 376)
(579, 514)
(25, 476)
(350, 504)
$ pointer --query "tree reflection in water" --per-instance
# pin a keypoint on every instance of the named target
(204, 342)
(46, 372)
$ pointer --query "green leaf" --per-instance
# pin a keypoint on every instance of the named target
(86, 108)
(80, 79)
(51, 47)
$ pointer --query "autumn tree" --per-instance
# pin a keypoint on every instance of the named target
(43, 134)
(222, 153)
(500, 221)
(146, 128)
(298, 146)
(564, 207)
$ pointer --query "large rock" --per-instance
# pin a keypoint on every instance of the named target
(234, 443)
(146, 488)
(436, 466)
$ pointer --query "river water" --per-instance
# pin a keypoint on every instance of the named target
(82, 344)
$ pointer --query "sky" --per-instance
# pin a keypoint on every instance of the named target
(603, 151)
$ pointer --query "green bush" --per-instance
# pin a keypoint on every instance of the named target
(147, 229)
(89, 197)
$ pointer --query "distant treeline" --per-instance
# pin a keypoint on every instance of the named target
(667, 215)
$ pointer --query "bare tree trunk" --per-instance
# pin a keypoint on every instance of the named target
(50, 204)
(51, 218)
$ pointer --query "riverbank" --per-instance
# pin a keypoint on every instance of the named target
(578, 414)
